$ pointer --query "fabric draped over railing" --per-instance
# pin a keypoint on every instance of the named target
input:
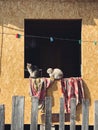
(38, 88)
(71, 88)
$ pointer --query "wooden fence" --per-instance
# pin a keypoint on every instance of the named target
(18, 114)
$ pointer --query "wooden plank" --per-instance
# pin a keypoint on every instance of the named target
(72, 114)
(34, 114)
(85, 114)
(2, 117)
(17, 113)
(48, 111)
(61, 114)
(42, 127)
(96, 115)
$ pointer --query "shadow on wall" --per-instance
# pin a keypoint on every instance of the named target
(16, 11)
(87, 92)
(55, 116)
(87, 96)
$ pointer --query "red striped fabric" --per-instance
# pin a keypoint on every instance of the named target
(71, 88)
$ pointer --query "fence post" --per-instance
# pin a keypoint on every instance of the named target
(17, 113)
(96, 115)
(34, 113)
(48, 110)
(85, 114)
(72, 114)
(2, 117)
(42, 127)
(61, 114)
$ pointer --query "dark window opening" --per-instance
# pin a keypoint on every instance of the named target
(55, 44)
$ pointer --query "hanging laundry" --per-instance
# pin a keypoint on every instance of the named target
(72, 88)
(38, 88)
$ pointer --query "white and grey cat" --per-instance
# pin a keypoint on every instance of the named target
(33, 70)
(55, 73)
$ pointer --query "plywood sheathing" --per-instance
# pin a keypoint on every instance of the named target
(12, 81)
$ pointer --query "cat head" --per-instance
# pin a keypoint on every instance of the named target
(32, 67)
(29, 65)
(49, 70)
(33, 70)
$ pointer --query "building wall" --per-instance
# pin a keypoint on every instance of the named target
(12, 81)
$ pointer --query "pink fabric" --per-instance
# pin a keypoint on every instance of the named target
(72, 88)
(38, 88)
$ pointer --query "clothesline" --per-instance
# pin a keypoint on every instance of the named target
(51, 38)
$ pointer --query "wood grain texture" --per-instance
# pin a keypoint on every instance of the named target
(17, 113)
(2, 117)
(73, 114)
(96, 115)
(48, 111)
(61, 114)
(12, 82)
(34, 114)
(85, 114)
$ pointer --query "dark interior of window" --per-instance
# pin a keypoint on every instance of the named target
(53, 43)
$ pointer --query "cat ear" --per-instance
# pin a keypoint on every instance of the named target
(28, 64)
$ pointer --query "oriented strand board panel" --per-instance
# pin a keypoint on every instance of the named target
(12, 81)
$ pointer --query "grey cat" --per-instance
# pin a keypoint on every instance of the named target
(33, 70)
